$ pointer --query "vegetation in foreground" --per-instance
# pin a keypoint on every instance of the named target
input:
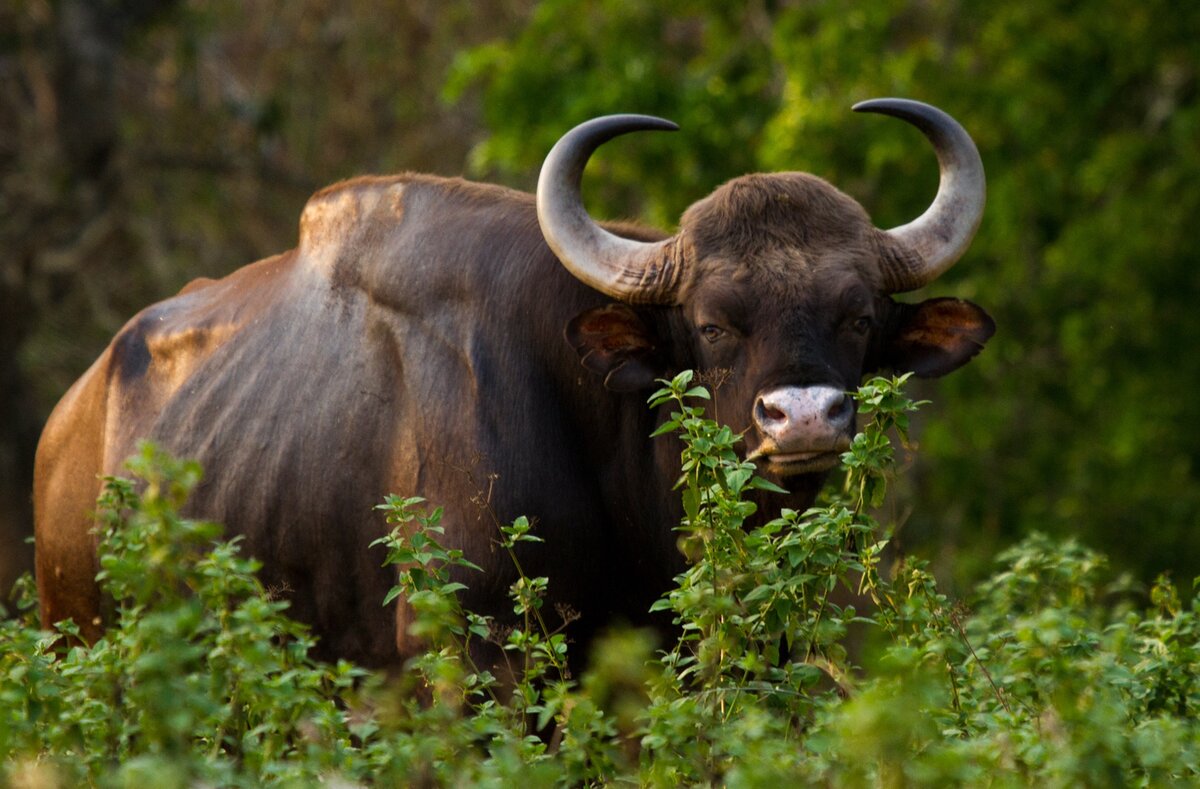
(1054, 675)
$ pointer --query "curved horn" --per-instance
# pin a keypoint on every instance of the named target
(632, 271)
(931, 243)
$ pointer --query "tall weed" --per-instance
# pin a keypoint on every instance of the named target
(1051, 672)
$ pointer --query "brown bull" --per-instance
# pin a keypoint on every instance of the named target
(413, 343)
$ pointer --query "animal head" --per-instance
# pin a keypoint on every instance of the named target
(777, 285)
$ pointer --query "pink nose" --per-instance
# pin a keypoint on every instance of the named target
(804, 418)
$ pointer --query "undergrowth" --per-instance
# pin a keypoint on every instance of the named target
(1050, 672)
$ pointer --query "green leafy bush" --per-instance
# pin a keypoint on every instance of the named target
(202, 678)
(1055, 674)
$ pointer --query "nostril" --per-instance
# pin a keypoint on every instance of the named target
(839, 410)
(764, 412)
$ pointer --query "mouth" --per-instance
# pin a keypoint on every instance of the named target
(787, 464)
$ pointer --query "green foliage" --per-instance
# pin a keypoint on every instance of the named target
(708, 62)
(202, 678)
(1056, 674)
(1078, 415)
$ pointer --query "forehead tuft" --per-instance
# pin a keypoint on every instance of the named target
(787, 232)
(762, 215)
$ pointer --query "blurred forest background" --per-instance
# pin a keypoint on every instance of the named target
(143, 144)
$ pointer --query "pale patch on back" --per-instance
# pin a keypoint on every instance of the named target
(151, 361)
(176, 355)
(340, 217)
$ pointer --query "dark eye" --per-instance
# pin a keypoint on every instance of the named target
(862, 324)
(711, 332)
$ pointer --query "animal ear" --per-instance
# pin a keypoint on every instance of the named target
(613, 342)
(936, 336)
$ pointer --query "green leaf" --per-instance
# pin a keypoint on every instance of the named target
(665, 427)
(691, 502)
(758, 483)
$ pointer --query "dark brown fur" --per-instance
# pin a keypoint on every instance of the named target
(413, 343)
